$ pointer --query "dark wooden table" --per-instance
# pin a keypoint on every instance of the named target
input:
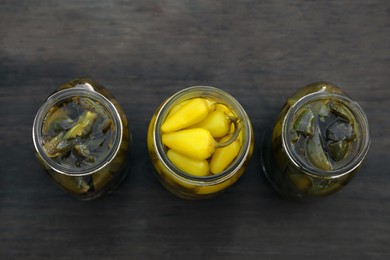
(144, 51)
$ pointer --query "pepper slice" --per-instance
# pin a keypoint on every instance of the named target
(303, 122)
(338, 150)
(341, 110)
(316, 155)
(339, 131)
(57, 146)
(83, 126)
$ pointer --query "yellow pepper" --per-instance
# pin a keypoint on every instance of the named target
(224, 156)
(176, 108)
(192, 112)
(214, 188)
(189, 131)
(216, 122)
(197, 143)
(188, 164)
(228, 113)
(223, 108)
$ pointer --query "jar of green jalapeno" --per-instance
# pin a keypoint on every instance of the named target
(81, 137)
(200, 141)
(318, 143)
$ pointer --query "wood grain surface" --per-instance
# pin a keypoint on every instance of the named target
(144, 51)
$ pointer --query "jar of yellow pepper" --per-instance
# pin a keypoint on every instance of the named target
(200, 141)
(81, 138)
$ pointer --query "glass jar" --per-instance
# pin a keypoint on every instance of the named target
(174, 177)
(81, 138)
(319, 141)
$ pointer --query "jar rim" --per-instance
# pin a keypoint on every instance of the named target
(226, 99)
(359, 116)
(85, 90)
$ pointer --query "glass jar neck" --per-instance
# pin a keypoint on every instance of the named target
(221, 97)
(56, 98)
(363, 138)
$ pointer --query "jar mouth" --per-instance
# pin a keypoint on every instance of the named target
(58, 98)
(363, 138)
(221, 97)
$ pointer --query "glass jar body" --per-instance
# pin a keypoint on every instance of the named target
(107, 174)
(291, 177)
(182, 184)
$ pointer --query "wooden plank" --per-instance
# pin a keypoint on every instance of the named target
(144, 51)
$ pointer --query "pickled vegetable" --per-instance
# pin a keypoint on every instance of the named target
(62, 124)
(83, 127)
(78, 132)
(301, 181)
(189, 114)
(57, 146)
(304, 122)
(176, 108)
(316, 155)
(322, 134)
(339, 131)
(188, 164)
(197, 143)
(338, 150)
(224, 156)
(340, 110)
(224, 109)
(324, 111)
(57, 119)
(199, 132)
(216, 122)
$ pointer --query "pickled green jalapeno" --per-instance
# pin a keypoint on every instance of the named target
(318, 143)
(80, 135)
(199, 140)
